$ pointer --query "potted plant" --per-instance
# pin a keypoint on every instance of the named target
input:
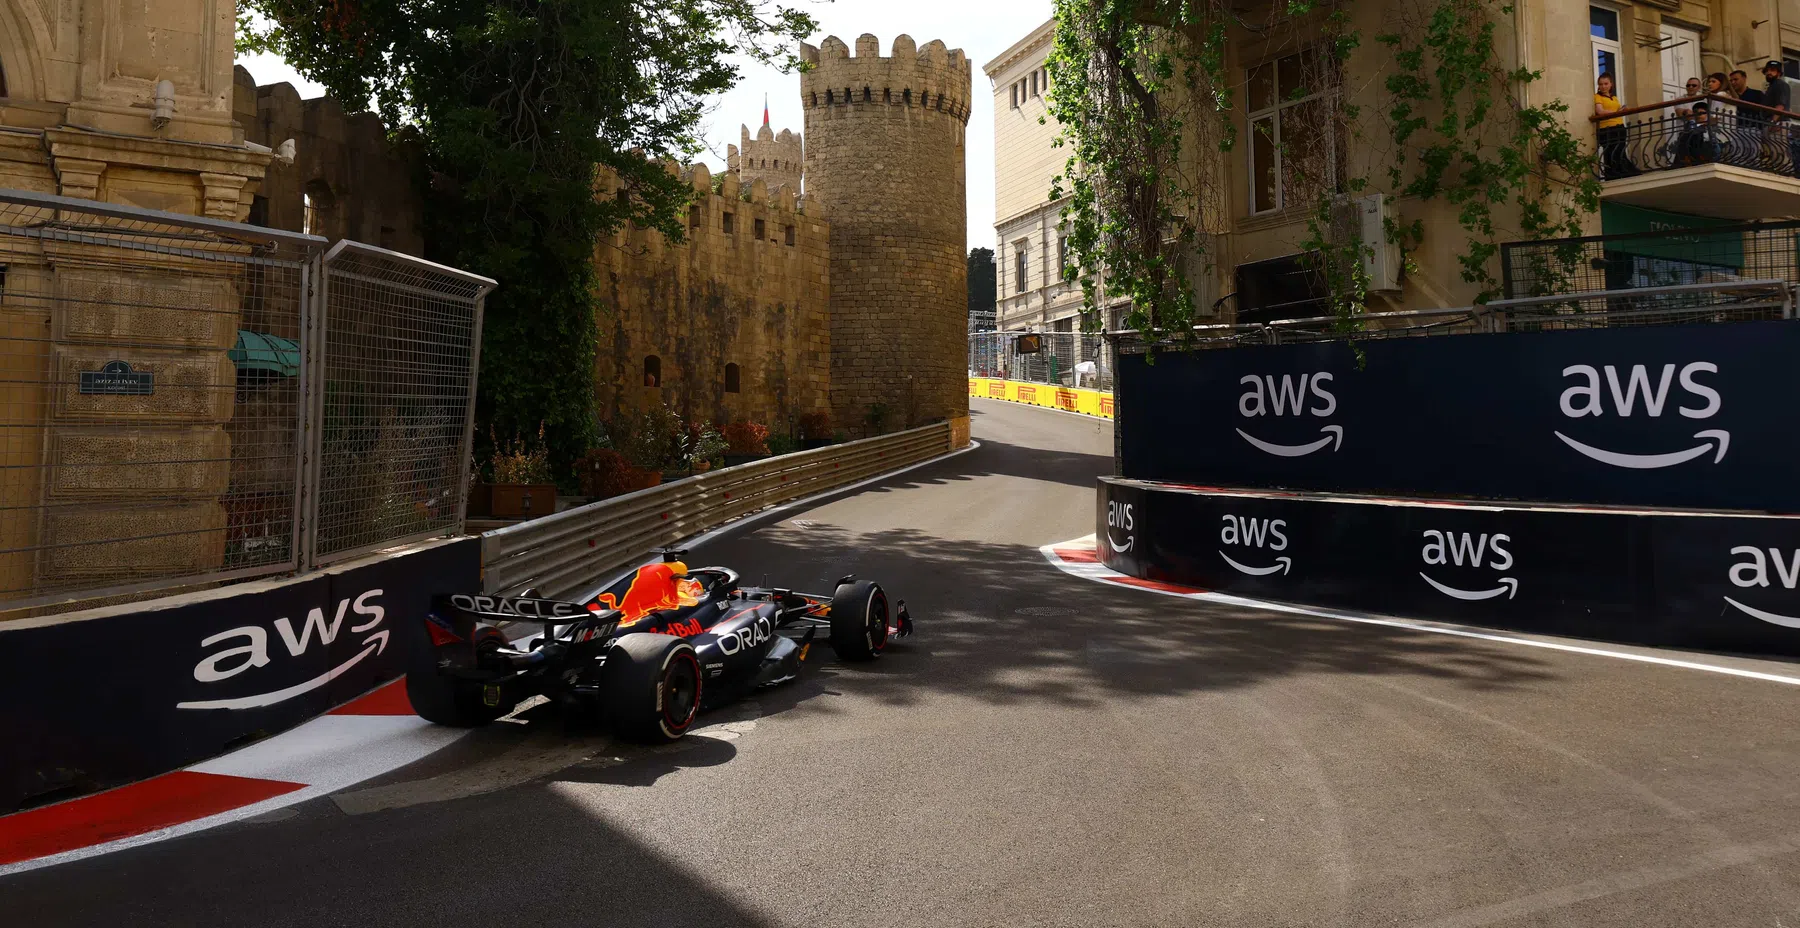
(605, 473)
(522, 486)
(701, 446)
(745, 442)
(815, 430)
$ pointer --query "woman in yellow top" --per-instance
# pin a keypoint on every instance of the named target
(1613, 162)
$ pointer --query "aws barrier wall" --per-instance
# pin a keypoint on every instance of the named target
(1696, 416)
(139, 690)
(1726, 582)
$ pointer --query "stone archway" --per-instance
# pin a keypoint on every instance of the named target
(22, 33)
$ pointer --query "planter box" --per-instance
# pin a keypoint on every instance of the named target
(733, 460)
(521, 500)
(807, 444)
(481, 501)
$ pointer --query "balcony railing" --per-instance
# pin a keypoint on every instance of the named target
(1673, 134)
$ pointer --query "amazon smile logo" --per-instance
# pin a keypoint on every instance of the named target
(1587, 398)
(251, 650)
(1290, 396)
(1463, 549)
(1119, 517)
(1753, 572)
(1257, 534)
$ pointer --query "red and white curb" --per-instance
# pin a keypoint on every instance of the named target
(1080, 558)
(356, 741)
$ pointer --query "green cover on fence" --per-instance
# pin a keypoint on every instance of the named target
(1719, 250)
(257, 352)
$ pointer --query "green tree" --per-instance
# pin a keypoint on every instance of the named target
(514, 103)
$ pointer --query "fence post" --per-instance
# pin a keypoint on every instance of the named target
(461, 500)
(312, 411)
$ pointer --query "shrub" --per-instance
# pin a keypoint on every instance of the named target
(747, 438)
(702, 444)
(603, 472)
(783, 444)
(815, 425)
(521, 461)
(651, 438)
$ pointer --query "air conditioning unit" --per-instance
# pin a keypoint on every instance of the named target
(1381, 258)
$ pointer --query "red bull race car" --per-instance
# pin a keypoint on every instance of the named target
(647, 654)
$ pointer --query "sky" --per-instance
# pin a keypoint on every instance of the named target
(981, 30)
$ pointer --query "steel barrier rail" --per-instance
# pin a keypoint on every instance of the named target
(567, 553)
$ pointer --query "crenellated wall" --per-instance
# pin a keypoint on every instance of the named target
(739, 291)
(362, 186)
(772, 158)
(884, 154)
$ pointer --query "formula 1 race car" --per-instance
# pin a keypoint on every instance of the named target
(647, 654)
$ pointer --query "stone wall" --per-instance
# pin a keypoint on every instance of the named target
(749, 287)
(773, 159)
(884, 154)
(361, 186)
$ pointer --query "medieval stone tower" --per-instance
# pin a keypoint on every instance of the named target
(771, 158)
(884, 155)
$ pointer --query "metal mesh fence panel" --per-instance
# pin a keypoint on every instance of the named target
(149, 399)
(1641, 260)
(397, 390)
(1068, 359)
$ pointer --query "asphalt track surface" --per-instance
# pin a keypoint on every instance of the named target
(1047, 751)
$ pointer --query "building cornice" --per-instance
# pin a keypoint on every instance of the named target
(1006, 59)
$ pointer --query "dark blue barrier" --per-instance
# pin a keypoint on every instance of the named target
(94, 703)
(1698, 580)
(1696, 416)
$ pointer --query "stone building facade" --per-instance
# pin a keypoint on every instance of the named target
(346, 181)
(128, 104)
(884, 154)
(730, 325)
(773, 158)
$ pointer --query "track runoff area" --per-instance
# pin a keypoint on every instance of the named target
(1054, 747)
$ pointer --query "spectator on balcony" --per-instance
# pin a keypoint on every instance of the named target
(1611, 131)
(1716, 86)
(1692, 90)
(1700, 142)
(1782, 95)
(1739, 86)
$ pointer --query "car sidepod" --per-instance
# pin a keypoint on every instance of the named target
(735, 648)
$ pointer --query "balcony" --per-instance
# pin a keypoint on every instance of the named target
(1732, 160)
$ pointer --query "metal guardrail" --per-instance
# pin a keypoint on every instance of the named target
(1711, 302)
(572, 551)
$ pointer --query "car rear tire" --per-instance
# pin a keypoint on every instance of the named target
(859, 621)
(447, 700)
(650, 687)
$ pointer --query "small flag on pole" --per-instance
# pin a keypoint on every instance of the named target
(765, 109)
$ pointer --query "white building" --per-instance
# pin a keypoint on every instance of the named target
(1029, 249)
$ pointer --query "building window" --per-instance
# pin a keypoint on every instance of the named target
(1034, 87)
(1020, 267)
(790, 235)
(318, 202)
(1603, 35)
(1014, 91)
(389, 238)
(1293, 148)
(1289, 287)
(761, 229)
(725, 222)
(259, 207)
(694, 216)
(732, 378)
(652, 371)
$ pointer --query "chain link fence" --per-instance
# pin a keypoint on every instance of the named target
(162, 422)
(399, 366)
(1068, 359)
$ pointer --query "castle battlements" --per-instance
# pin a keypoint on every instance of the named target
(931, 78)
(769, 156)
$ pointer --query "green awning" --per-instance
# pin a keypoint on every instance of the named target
(272, 353)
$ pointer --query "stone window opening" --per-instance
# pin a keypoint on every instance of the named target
(827, 97)
(790, 237)
(2, 81)
(887, 94)
(761, 228)
(906, 96)
(652, 371)
(1020, 268)
(1034, 86)
(733, 379)
(694, 216)
(725, 222)
(318, 203)
(815, 97)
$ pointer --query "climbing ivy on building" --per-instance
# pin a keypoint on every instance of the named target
(1149, 113)
(513, 104)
